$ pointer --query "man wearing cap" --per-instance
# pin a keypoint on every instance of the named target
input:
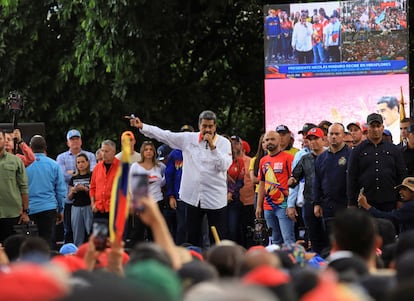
(295, 199)
(305, 169)
(67, 162)
(293, 192)
(135, 156)
(207, 157)
(329, 183)
(357, 132)
(47, 191)
(403, 216)
(408, 150)
(388, 107)
(274, 171)
(285, 139)
(14, 207)
(376, 167)
(173, 174)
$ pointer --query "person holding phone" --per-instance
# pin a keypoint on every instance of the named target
(81, 215)
(207, 157)
(155, 171)
(402, 216)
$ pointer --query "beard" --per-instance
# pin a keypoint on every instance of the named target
(271, 147)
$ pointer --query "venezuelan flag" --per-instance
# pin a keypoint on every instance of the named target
(120, 198)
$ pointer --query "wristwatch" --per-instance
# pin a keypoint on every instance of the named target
(26, 211)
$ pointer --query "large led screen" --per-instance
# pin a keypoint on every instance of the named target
(333, 60)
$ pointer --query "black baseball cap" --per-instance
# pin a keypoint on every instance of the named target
(374, 117)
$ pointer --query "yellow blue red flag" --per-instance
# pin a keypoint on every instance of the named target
(120, 198)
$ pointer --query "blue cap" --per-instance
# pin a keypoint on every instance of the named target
(387, 133)
(68, 248)
(163, 151)
(73, 133)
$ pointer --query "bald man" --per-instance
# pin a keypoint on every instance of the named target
(275, 169)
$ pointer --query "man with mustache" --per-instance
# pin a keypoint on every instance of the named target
(375, 167)
(207, 156)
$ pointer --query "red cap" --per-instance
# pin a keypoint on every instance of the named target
(246, 146)
(361, 126)
(315, 132)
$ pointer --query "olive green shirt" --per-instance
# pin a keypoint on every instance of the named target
(13, 183)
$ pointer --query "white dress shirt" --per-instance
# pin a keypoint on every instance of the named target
(204, 177)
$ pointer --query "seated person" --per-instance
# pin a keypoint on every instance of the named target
(403, 216)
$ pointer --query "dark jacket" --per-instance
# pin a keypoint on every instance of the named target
(305, 169)
(378, 169)
(403, 216)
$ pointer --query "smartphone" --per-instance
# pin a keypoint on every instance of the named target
(100, 232)
(139, 184)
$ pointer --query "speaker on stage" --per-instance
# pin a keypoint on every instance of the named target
(28, 129)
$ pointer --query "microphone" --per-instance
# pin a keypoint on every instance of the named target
(206, 144)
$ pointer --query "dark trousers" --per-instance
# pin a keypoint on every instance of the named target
(317, 235)
(305, 57)
(234, 214)
(101, 215)
(6, 227)
(181, 215)
(46, 224)
(334, 53)
(67, 223)
(136, 231)
(215, 217)
(247, 220)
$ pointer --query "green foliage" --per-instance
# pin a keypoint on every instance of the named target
(85, 64)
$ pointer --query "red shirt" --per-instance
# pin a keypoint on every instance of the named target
(101, 184)
(275, 171)
(317, 34)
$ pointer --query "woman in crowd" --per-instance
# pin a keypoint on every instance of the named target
(155, 171)
(81, 215)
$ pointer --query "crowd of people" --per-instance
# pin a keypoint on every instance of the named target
(376, 47)
(363, 16)
(334, 218)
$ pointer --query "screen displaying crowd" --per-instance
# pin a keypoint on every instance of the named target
(328, 33)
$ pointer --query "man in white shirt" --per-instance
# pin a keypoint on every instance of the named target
(207, 157)
(302, 40)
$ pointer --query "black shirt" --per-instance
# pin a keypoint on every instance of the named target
(408, 154)
(378, 169)
(81, 198)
